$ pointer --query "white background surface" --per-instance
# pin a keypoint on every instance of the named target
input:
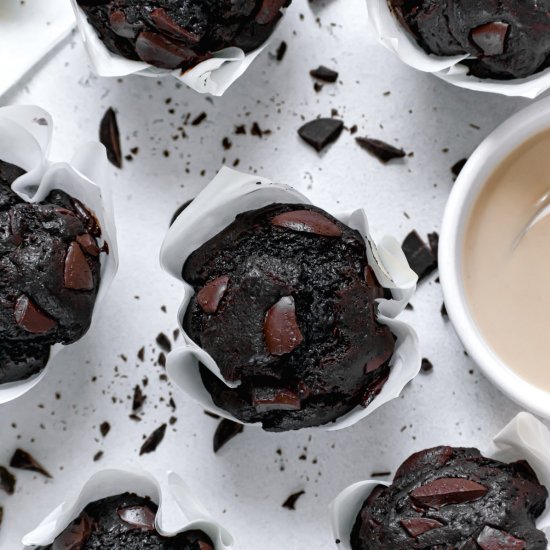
(243, 486)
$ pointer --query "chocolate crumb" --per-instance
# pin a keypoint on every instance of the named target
(109, 136)
(7, 481)
(199, 119)
(153, 441)
(325, 74)
(427, 365)
(444, 313)
(290, 502)
(98, 456)
(226, 430)
(104, 428)
(138, 399)
(457, 168)
(164, 343)
(281, 51)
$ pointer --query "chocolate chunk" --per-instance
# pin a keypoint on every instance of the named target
(75, 535)
(420, 257)
(7, 481)
(121, 26)
(491, 37)
(139, 399)
(30, 318)
(104, 428)
(25, 461)
(271, 399)
(139, 517)
(383, 151)
(307, 221)
(418, 526)
(77, 275)
(153, 441)
(290, 502)
(210, 296)
(88, 244)
(321, 132)
(281, 331)
(162, 52)
(457, 168)
(324, 73)
(269, 11)
(164, 343)
(436, 457)
(426, 365)
(494, 539)
(109, 135)
(165, 23)
(226, 430)
(445, 491)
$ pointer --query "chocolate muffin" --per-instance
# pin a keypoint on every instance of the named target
(179, 34)
(505, 39)
(454, 499)
(50, 271)
(285, 303)
(124, 522)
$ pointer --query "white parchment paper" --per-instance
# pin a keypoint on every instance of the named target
(394, 36)
(231, 193)
(213, 76)
(524, 438)
(25, 137)
(178, 510)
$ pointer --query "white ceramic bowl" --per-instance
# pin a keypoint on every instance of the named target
(487, 157)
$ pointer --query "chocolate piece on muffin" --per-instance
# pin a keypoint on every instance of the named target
(285, 303)
(50, 271)
(454, 499)
(124, 522)
(179, 34)
(506, 39)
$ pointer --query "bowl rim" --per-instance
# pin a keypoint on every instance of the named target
(503, 141)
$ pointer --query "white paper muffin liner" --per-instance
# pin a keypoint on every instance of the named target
(213, 76)
(25, 137)
(231, 193)
(524, 438)
(178, 510)
(394, 36)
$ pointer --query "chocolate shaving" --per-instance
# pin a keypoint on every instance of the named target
(164, 342)
(383, 151)
(226, 430)
(139, 399)
(109, 135)
(290, 502)
(22, 460)
(153, 441)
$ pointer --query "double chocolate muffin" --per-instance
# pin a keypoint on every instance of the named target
(124, 522)
(505, 39)
(285, 303)
(454, 499)
(179, 34)
(49, 276)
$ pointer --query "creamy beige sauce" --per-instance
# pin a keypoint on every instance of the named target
(508, 289)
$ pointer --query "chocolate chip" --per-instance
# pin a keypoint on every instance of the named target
(109, 135)
(77, 274)
(269, 11)
(447, 490)
(75, 535)
(7, 481)
(307, 221)
(31, 318)
(226, 430)
(321, 132)
(281, 331)
(324, 73)
(491, 37)
(419, 255)
(104, 428)
(140, 517)
(210, 296)
(138, 400)
(273, 399)
(494, 539)
(426, 365)
(383, 151)
(164, 343)
(165, 23)
(418, 526)
(25, 461)
(457, 168)
(153, 441)
(290, 502)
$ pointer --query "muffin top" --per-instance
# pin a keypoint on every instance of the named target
(124, 522)
(49, 261)
(507, 39)
(173, 34)
(285, 303)
(454, 498)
